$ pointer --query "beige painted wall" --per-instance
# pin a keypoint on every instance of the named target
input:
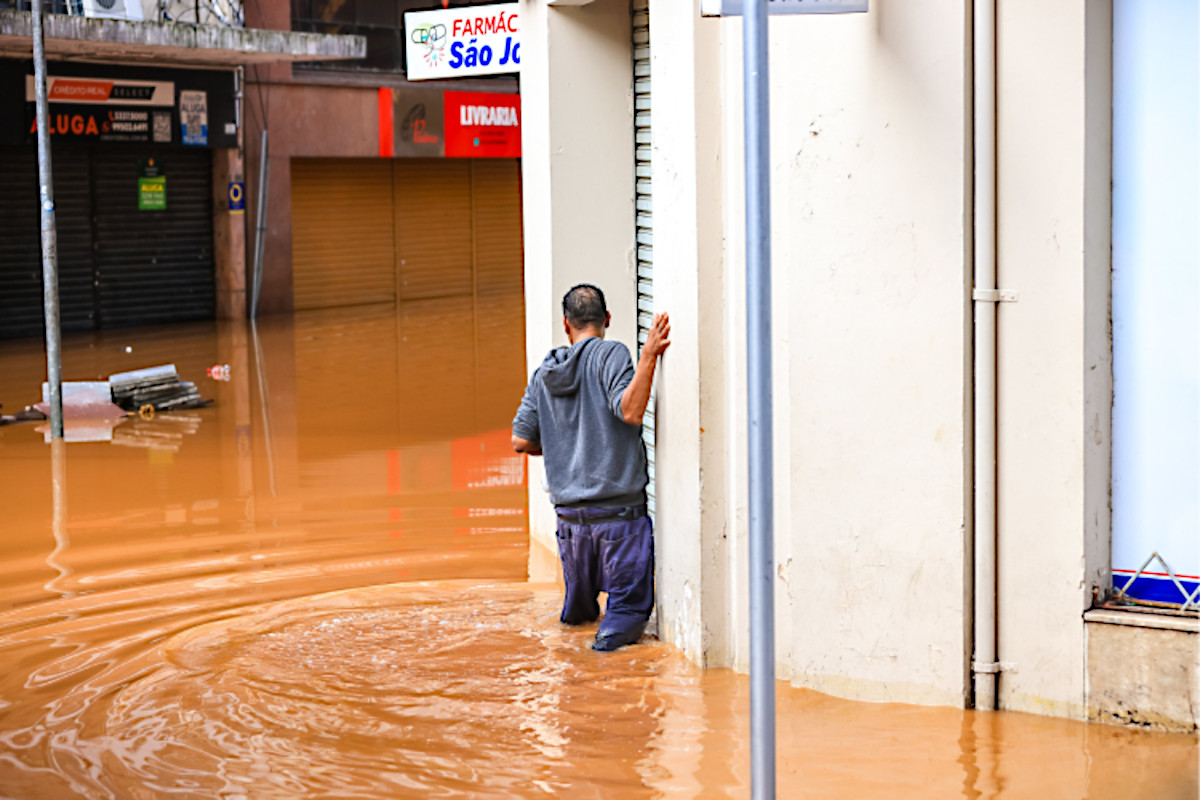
(871, 182)
(1054, 371)
(870, 186)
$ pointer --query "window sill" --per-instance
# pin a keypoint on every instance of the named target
(1142, 619)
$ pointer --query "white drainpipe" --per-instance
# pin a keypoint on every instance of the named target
(985, 666)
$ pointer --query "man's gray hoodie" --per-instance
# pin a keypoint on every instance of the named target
(572, 407)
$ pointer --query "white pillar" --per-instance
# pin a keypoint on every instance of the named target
(693, 440)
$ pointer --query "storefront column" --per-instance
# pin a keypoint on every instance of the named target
(1054, 369)
(697, 541)
(577, 175)
(229, 235)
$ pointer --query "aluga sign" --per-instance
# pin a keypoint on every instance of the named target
(460, 42)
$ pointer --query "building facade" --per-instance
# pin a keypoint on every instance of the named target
(146, 135)
(910, 146)
(378, 189)
(134, 190)
(373, 197)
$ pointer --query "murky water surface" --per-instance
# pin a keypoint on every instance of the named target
(317, 588)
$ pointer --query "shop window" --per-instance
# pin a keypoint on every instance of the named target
(1156, 294)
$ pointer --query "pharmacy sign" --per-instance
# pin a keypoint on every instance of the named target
(462, 42)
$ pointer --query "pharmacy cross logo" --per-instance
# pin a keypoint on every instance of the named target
(434, 39)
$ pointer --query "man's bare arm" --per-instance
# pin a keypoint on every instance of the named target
(637, 393)
(526, 446)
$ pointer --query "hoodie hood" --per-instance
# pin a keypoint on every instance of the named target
(561, 371)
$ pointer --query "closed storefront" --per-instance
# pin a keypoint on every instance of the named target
(343, 245)
(118, 265)
(20, 248)
(133, 188)
(370, 231)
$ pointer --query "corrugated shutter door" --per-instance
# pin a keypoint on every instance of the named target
(433, 228)
(343, 246)
(645, 209)
(499, 278)
(20, 257)
(21, 311)
(496, 200)
(76, 249)
(153, 266)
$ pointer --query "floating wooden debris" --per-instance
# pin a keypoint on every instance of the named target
(158, 387)
(27, 414)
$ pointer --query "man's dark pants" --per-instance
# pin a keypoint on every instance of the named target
(607, 550)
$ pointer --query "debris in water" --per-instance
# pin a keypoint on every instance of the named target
(159, 387)
(81, 400)
(29, 414)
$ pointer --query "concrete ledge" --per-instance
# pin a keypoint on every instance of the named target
(1143, 670)
(170, 42)
(1141, 619)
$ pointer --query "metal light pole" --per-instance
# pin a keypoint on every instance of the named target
(49, 234)
(761, 423)
(260, 230)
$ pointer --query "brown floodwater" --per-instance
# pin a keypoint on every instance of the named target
(318, 588)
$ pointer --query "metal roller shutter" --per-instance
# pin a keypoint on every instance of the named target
(343, 246)
(153, 266)
(434, 240)
(499, 279)
(20, 257)
(371, 231)
(21, 312)
(644, 205)
(74, 204)
(496, 212)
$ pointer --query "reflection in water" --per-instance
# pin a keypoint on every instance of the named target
(264, 398)
(316, 588)
(58, 511)
(162, 432)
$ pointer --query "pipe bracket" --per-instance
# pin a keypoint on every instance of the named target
(993, 668)
(994, 296)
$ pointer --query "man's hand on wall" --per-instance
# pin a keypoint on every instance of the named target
(658, 338)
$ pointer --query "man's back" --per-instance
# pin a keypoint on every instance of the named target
(573, 408)
(583, 411)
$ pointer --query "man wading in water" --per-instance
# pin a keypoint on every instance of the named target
(583, 412)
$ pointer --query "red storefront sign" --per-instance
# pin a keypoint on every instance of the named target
(482, 125)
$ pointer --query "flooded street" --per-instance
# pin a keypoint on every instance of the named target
(318, 588)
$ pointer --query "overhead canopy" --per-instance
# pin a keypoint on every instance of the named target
(169, 43)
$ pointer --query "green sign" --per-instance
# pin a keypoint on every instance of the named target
(152, 193)
(152, 185)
